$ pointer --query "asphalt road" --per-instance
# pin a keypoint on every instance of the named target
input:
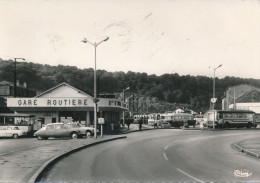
(162, 155)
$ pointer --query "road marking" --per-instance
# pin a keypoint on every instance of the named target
(166, 147)
(165, 156)
(198, 180)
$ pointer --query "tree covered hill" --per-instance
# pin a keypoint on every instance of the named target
(154, 93)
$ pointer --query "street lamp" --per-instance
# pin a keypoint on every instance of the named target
(214, 81)
(15, 75)
(214, 99)
(124, 103)
(95, 100)
(131, 105)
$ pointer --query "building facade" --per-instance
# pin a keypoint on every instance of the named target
(64, 103)
(248, 101)
(234, 94)
(7, 91)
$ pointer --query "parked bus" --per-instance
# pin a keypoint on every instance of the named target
(142, 117)
(231, 118)
(153, 118)
(25, 122)
(179, 119)
(257, 119)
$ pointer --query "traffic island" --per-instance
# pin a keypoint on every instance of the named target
(250, 147)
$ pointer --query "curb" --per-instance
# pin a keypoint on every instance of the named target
(243, 150)
(131, 131)
(40, 172)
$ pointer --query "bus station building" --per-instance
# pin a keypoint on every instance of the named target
(65, 103)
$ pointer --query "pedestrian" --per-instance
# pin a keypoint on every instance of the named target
(201, 125)
(155, 124)
(140, 121)
(128, 122)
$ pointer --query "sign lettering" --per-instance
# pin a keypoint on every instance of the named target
(51, 102)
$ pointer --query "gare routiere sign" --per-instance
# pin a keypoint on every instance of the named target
(47, 102)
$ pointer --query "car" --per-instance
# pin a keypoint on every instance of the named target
(165, 124)
(89, 131)
(58, 130)
(11, 131)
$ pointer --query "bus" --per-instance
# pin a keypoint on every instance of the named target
(153, 118)
(179, 119)
(142, 117)
(25, 122)
(231, 118)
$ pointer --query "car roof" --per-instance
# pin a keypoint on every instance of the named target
(56, 124)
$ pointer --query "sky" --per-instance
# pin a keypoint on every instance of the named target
(188, 37)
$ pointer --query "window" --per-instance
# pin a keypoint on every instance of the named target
(58, 126)
(74, 125)
(53, 120)
(1, 120)
(50, 127)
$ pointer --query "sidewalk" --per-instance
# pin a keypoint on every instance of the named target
(249, 146)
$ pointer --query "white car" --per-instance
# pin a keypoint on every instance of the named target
(88, 130)
(11, 131)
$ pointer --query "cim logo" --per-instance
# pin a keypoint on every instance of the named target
(242, 173)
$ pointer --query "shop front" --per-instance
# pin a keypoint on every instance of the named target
(64, 103)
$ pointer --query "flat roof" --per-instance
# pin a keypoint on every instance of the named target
(15, 115)
(236, 111)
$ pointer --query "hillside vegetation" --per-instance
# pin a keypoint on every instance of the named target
(152, 93)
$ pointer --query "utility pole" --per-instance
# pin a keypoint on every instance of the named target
(15, 87)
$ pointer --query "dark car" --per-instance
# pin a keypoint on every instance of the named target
(58, 130)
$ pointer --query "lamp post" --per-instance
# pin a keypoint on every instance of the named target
(124, 103)
(214, 99)
(15, 75)
(130, 104)
(95, 100)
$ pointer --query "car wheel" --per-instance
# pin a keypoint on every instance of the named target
(45, 138)
(15, 136)
(74, 135)
(88, 133)
(39, 138)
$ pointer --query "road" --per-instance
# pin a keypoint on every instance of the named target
(161, 155)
